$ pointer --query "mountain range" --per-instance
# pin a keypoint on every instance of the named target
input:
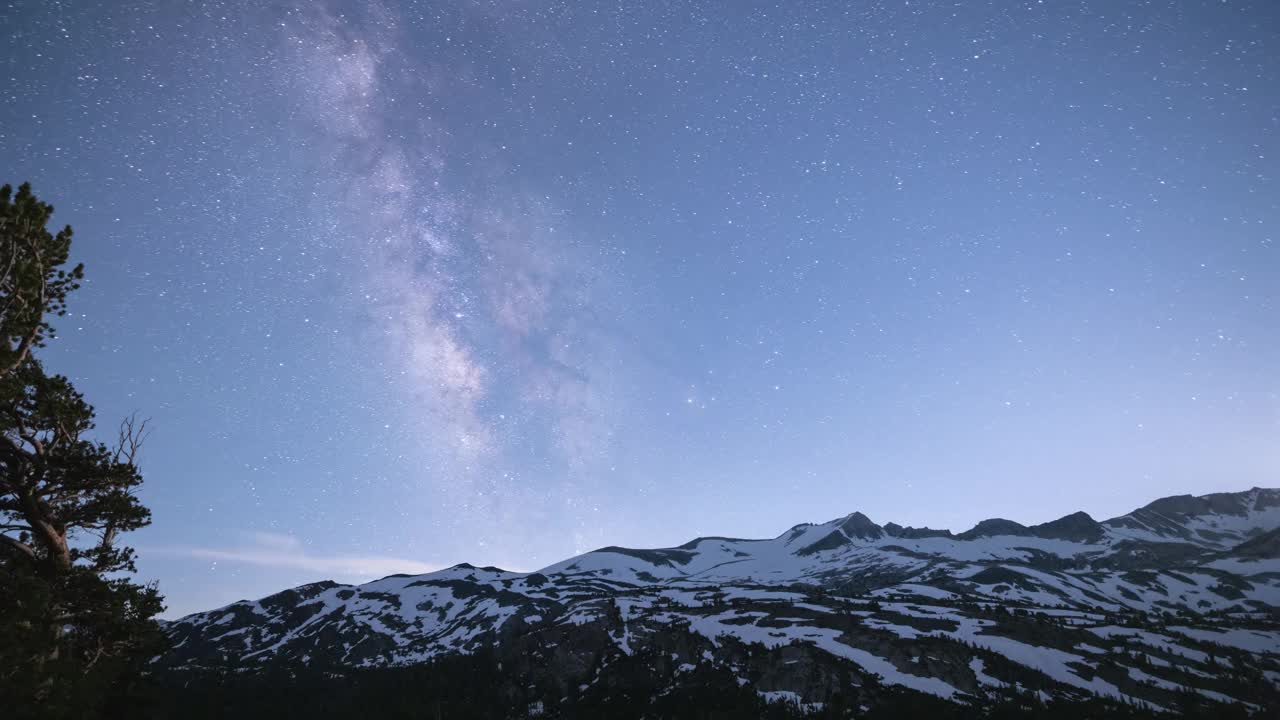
(1177, 599)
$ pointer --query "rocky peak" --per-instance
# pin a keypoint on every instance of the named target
(857, 525)
(1077, 527)
(914, 533)
(994, 527)
(1236, 503)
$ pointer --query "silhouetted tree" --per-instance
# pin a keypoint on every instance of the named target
(72, 624)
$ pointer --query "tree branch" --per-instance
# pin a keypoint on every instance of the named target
(18, 546)
(133, 433)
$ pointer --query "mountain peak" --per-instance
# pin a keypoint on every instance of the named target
(1216, 519)
(852, 527)
(857, 525)
(914, 533)
(1226, 503)
(993, 527)
(1077, 527)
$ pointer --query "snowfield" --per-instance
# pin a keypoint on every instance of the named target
(1182, 594)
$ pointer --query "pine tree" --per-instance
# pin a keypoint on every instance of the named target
(73, 627)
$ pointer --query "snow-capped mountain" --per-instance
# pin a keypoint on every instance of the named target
(1182, 595)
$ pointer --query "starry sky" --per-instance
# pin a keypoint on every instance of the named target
(402, 285)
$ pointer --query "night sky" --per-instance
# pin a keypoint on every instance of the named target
(407, 285)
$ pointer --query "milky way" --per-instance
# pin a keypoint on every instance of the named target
(410, 284)
(484, 311)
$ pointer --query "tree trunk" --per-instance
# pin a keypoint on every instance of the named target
(54, 567)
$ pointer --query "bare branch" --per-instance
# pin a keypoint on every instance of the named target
(133, 433)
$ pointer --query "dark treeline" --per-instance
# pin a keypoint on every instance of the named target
(476, 686)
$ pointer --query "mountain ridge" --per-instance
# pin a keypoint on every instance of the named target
(1077, 525)
(1173, 581)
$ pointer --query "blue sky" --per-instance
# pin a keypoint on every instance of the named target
(409, 284)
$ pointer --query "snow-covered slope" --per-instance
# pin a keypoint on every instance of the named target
(1073, 561)
(1191, 584)
(1219, 521)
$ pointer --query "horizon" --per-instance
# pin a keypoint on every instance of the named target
(607, 548)
(400, 283)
